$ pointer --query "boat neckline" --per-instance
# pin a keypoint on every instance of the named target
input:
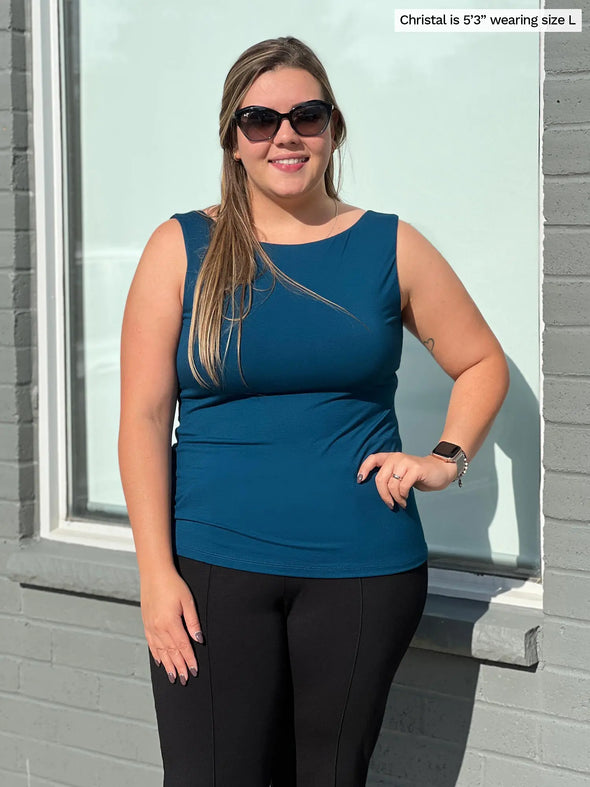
(307, 243)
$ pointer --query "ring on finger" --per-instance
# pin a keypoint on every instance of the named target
(395, 475)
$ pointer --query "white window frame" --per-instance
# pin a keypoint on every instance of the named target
(51, 337)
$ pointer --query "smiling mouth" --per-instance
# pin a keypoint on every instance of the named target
(298, 160)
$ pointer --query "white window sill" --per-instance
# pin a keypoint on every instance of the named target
(504, 633)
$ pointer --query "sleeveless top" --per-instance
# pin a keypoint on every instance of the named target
(264, 471)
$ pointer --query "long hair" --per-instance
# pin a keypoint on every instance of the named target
(230, 260)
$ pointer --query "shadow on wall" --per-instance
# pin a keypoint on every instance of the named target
(423, 741)
(474, 524)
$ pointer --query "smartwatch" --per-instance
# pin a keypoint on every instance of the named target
(449, 452)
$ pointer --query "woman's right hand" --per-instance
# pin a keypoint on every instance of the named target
(166, 600)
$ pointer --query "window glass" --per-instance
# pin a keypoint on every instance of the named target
(443, 131)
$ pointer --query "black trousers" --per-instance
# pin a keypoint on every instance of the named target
(293, 677)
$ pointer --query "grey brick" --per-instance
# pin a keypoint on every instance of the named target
(565, 744)
(5, 49)
(8, 365)
(454, 676)
(19, 15)
(20, 171)
(15, 365)
(567, 400)
(566, 302)
(7, 549)
(509, 686)
(15, 403)
(96, 652)
(16, 442)
(7, 248)
(583, 4)
(567, 448)
(566, 151)
(566, 643)
(11, 779)
(504, 731)
(8, 409)
(22, 329)
(13, 132)
(12, 755)
(15, 210)
(6, 289)
(566, 351)
(15, 249)
(5, 20)
(447, 719)
(566, 545)
(15, 289)
(5, 90)
(83, 729)
(67, 765)
(420, 761)
(6, 129)
(567, 52)
(566, 250)
(128, 698)
(142, 665)
(567, 694)
(500, 772)
(566, 99)
(9, 680)
(19, 51)
(20, 99)
(22, 638)
(17, 481)
(110, 617)
(16, 518)
(566, 594)
(6, 169)
(566, 496)
(404, 710)
(10, 596)
(567, 201)
(62, 685)
(7, 327)
(20, 129)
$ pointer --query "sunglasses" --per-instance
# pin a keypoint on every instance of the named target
(309, 119)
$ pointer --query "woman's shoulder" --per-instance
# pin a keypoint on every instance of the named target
(190, 216)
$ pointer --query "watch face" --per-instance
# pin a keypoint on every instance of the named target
(447, 450)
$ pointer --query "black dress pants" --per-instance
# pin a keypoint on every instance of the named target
(293, 677)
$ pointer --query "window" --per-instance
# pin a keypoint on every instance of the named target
(443, 130)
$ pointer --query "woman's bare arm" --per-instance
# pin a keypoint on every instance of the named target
(151, 327)
(437, 309)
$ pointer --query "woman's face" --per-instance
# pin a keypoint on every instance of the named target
(288, 167)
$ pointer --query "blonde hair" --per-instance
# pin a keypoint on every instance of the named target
(230, 260)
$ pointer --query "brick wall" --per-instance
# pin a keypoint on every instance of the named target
(75, 702)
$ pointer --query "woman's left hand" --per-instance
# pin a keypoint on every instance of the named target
(426, 473)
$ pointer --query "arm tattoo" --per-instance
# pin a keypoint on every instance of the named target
(429, 344)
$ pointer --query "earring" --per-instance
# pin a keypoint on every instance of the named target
(236, 156)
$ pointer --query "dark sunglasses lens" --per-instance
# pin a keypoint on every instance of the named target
(258, 124)
(311, 120)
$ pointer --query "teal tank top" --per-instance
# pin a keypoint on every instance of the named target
(264, 471)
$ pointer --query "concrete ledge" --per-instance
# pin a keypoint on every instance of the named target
(488, 632)
(78, 569)
(501, 633)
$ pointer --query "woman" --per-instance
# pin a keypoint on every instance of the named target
(281, 555)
